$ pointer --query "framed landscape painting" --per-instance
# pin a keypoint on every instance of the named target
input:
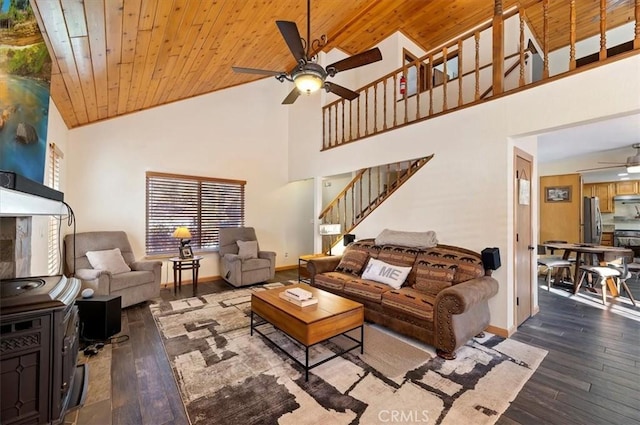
(557, 194)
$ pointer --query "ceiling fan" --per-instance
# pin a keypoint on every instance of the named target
(307, 75)
(632, 164)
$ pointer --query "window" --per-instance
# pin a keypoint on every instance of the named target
(438, 75)
(202, 204)
(416, 75)
(53, 181)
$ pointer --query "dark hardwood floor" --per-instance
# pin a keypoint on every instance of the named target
(590, 376)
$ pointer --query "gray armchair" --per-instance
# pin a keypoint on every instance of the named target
(140, 284)
(240, 270)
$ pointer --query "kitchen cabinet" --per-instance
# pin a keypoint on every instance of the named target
(629, 187)
(607, 239)
(604, 191)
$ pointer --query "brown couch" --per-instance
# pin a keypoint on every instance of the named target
(443, 302)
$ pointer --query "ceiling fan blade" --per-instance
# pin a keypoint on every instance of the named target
(256, 71)
(291, 97)
(602, 168)
(289, 31)
(343, 92)
(355, 61)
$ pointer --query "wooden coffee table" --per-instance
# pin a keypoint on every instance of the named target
(331, 316)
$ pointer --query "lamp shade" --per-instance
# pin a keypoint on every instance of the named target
(329, 229)
(182, 233)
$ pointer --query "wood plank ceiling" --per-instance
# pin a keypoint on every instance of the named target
(113, 57)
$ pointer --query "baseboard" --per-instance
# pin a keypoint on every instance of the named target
(500, 331)
(283, 268)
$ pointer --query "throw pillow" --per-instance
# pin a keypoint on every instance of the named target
(391, 275)
(247, 249)
(431, 287)
(109, 260)
(407, 239)
(353, 261)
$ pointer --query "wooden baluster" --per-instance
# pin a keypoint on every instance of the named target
(324, 128)
(379, 188)
(636, 40)
(395, 99)
(430, 84)
(350, 120)
(406, 98)
(476, 37)
(366, 111)
(358, 120)
(603, 30)
(572, 35)
(375, 108)
(545, 38)
(460, 72)
(342, 121)
(417, 90)
(384, 107)
(498, 48)
(344, 222)
(445, 78)
(369, 175)
(353, 206)
(386, 192)
(360, 200)
(336, 124)
(329, 127)
(521, 16)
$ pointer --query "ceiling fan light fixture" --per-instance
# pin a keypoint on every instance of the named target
(633, 169)
(308, 81)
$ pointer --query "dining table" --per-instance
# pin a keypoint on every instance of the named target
(591, 254)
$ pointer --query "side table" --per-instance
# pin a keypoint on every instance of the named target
(303, 274)
(180, 264)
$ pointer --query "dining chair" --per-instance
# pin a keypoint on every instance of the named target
(613, 276)
(553, 264)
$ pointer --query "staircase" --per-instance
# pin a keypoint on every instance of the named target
(364, 193)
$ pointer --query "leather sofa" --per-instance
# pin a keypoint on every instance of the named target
(443, 301)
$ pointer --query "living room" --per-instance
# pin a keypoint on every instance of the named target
(465, 193)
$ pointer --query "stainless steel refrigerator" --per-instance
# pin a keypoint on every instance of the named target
(592, 220)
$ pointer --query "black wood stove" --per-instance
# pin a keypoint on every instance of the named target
(39, 344)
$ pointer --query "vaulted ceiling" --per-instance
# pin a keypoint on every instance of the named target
(113, 57)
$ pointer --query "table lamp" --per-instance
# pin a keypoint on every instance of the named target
(184, 235)
(330, 230)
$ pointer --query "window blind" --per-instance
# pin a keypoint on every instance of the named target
(53, 181)
(202, 204)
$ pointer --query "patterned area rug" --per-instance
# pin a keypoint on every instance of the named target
(227, 376)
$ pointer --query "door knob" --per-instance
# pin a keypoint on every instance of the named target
(531, 248)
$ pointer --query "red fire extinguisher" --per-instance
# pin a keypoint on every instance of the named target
(403, 85)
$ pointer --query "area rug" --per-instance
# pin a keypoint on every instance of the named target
(227, 376)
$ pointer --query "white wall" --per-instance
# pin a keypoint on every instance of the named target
(559, 59)
(239, 133)
(465, 192)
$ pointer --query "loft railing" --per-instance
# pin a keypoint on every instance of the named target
(450, 77)
(366, 191)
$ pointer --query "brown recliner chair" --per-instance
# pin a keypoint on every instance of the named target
(140, 284)
(244, 270)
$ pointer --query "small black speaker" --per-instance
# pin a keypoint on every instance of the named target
(99, 316)
(491, 258)
(348, 238)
